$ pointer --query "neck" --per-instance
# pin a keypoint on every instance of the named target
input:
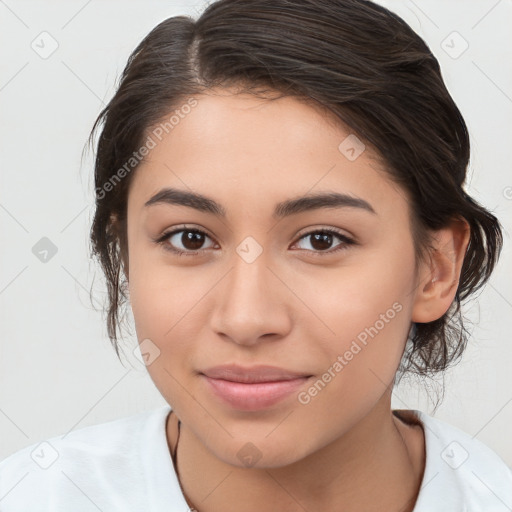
(377, 465)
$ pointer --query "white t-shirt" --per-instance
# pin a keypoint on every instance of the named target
(125, 465)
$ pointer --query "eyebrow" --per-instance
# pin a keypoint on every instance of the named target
(286, 208)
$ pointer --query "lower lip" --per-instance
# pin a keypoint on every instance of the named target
(256, 396)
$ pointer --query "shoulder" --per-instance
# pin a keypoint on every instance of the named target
(461, 471)
(73, 470)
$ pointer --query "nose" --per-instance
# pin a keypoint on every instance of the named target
(251, 304)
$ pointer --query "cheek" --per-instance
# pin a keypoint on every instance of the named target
(360, 361)
(161, 306)
(158, 292)
(366, 307)
(164, 312)
(353, 297)
(167, 307)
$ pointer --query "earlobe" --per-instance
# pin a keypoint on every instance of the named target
(439, 280)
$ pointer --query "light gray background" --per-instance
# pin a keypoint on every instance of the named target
(57, 369)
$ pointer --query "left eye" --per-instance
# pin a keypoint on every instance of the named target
(192, 240)
(320, 240)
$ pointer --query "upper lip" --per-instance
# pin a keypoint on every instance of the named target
(252, 374)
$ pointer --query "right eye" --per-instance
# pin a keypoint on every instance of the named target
(190, 239)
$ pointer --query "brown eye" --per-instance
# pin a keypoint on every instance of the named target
(322, 240)
(192, 240)
(186, 241)
(182, 241)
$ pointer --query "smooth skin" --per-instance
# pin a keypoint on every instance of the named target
(295, 306)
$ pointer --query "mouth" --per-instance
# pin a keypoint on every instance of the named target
(254, 388)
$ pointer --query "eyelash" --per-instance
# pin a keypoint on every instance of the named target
(162, 240)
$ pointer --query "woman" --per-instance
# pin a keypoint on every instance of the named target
(280, 195)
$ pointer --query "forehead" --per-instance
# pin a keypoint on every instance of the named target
(264, 150)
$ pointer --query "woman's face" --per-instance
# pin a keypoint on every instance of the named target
(264, 286)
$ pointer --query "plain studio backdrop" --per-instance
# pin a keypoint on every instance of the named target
(59, 64)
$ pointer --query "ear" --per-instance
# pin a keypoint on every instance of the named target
(438, 279)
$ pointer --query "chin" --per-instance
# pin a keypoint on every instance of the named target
(259, 453)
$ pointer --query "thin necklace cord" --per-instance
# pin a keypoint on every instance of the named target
(175, 461)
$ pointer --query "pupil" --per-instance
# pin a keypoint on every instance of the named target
(192, 240)
(324, 240)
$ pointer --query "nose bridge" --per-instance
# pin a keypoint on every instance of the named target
(247, 283)
(246, 307)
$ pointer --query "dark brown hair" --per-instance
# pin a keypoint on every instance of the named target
(354, 58)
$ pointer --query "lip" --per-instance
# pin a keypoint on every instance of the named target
(252, 388)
